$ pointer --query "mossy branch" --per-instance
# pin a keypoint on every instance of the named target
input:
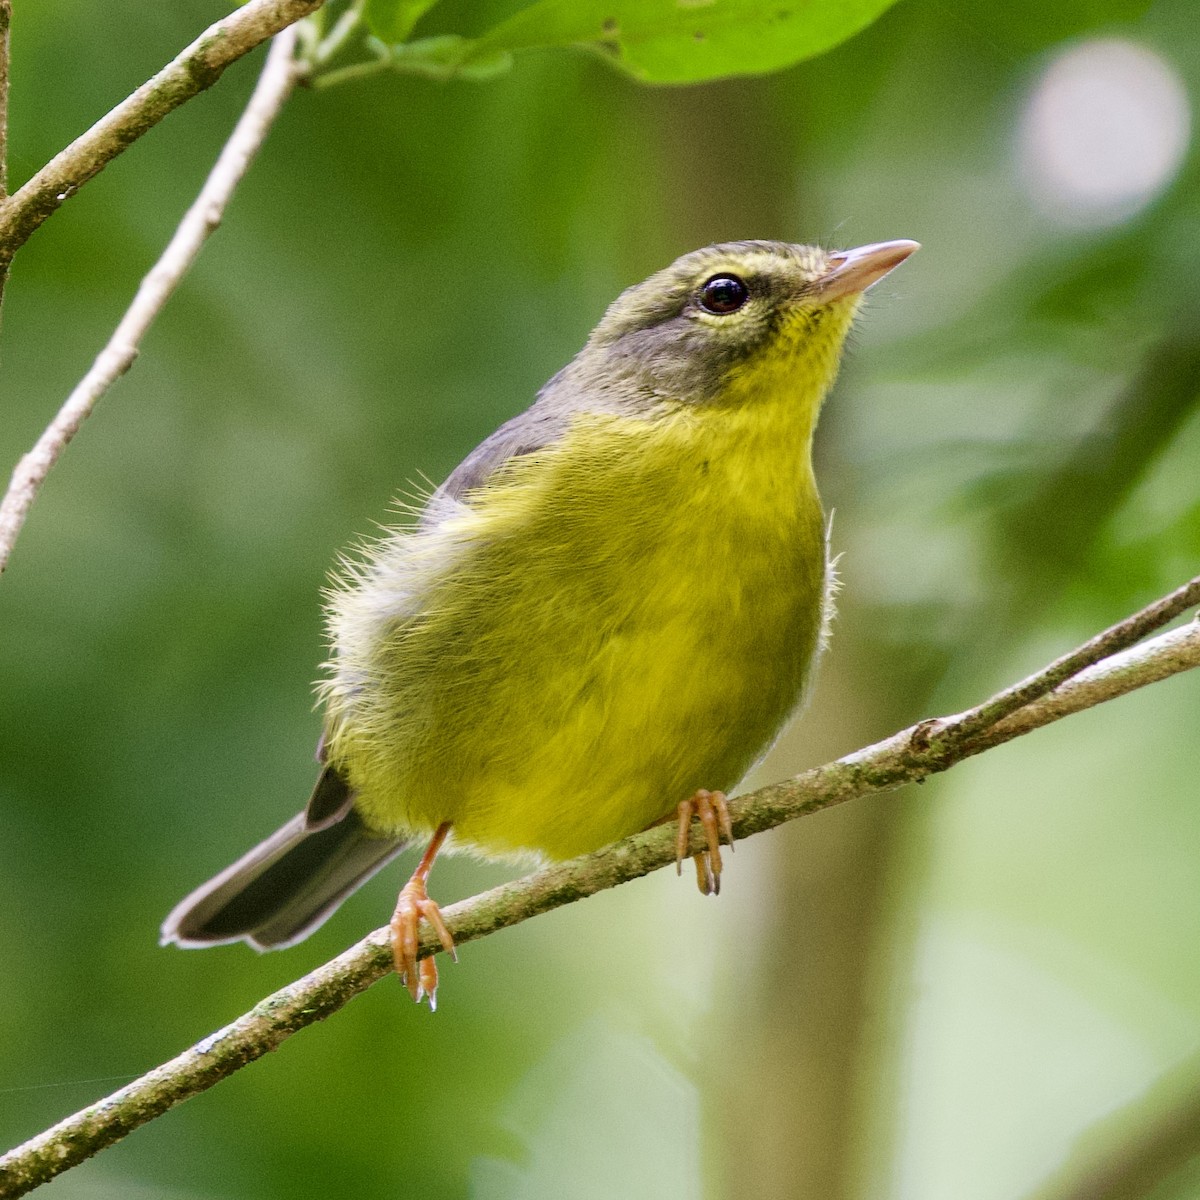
(1102, 669)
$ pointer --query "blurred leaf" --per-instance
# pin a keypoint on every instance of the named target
(1029, 25)
(392, 21)
(1051, 528)
(684, 41)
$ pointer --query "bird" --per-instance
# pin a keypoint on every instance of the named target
(599, 621)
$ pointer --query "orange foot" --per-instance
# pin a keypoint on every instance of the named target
(421, 978)
(713, 813)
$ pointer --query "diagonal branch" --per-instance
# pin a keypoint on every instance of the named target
(196, 68)
(905, 757)
(280, 75)
(1115, 638)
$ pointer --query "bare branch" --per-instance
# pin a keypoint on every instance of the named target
(1168, 654)
(905, 757)
(1117, 637)
(278, 78)
(196, 68)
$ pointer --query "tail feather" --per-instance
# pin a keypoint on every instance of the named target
(285, 887)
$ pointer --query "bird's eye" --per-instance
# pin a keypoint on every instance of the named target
(723, 294)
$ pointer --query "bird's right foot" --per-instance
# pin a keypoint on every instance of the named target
(420, 976)
(713, 813)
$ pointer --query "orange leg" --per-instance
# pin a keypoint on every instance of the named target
(413, 903)
(713, 813)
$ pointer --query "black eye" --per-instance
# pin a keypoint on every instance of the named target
(723, 294)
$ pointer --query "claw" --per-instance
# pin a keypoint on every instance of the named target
(427, 985)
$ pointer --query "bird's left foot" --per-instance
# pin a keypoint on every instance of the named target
(713, 813)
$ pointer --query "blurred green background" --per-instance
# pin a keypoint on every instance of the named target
(988, 987)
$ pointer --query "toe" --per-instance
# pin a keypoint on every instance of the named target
(720, 803)
(433, 914)
(404, 948)
(683, 835)
(712, 831)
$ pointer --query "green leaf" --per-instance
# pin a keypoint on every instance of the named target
(684, 41)
(449, 57)
(392, 21)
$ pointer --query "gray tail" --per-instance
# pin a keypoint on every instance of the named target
(284, 888)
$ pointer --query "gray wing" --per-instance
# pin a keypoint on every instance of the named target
(539, 425)
(576, 388)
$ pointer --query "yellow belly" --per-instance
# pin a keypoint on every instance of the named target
(611, 624)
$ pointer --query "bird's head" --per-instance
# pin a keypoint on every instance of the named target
(722, 321)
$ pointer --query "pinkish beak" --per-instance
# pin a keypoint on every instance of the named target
(853, 271)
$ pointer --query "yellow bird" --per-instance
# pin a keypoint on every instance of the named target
(600, 620)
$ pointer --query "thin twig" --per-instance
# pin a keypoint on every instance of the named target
(278, 78)
(884, 766)
(336, 38)
(196, 68)
(1117, 637)
(355, 71)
